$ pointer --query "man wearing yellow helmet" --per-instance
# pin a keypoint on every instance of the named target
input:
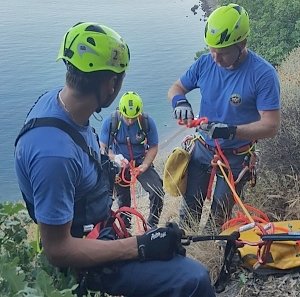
(240, 96)
(129, 142)
(64, 181)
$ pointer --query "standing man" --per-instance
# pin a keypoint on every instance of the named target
(64, 180)
(131, 136)
(240, 96)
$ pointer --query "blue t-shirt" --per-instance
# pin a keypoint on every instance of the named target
(54, 173)
(236, 96)
(134, 133)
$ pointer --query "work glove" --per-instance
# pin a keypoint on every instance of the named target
(182, 108)
(161, 243)
(120, 160)
(219, 130)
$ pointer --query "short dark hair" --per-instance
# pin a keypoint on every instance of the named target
(87, 83)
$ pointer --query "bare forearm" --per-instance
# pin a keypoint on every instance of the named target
(63, 250)
(267, 127)
(77, 252)
(150, 155)
(176, 89)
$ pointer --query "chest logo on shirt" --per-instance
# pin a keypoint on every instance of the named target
(235, 99)
(140, 137)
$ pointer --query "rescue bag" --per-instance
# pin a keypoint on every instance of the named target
(175, 172)
(283, 252)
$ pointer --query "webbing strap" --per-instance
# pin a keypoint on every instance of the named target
(121, 230)
(64, 126)
(230, 251)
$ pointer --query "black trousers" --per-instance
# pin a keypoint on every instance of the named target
(152, 184)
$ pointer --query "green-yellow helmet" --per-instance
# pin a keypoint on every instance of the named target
(131, 105)
(92, 47)
(227, 25)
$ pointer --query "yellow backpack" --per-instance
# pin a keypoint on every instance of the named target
(175, 172)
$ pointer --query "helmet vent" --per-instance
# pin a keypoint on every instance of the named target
(224, 36)
(95, 28)
(238, 9)
(91, 41)
(68, 53)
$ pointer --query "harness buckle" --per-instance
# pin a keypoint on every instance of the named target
(88, 228)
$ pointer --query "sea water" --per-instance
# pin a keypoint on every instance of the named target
(163, 37)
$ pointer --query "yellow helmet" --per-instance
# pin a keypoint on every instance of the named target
(131, 105)
(227, 25)
(92, 47)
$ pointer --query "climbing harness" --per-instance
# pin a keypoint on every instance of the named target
(113, 228)
(117, 223)
(142, 120)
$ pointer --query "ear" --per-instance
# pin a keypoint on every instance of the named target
(112, 84)
(242, 44)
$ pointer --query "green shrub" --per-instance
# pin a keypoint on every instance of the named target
(23, 271)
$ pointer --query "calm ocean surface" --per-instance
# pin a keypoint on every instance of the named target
(163, 36)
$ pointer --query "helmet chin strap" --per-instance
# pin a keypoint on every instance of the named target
(237, 60)
(98, 98)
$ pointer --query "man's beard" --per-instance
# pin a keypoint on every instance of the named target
(109, 100)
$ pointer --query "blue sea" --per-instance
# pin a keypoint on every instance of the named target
(163, 36)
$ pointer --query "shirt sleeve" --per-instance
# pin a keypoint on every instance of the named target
(105, 130)
(268, 91)
(53, 180)
(190, 78)
(152, 137)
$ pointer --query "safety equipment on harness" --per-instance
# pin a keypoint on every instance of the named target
(227, 25)
(161, 243)
(182, 108)
(230, 251)
(92, 47)
(112, 229)
(131, 105)
(120, 160)
(219, 130)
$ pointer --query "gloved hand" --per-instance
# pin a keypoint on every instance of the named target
(219, 130)
(182, 108)
(120, 160)
(161, 243)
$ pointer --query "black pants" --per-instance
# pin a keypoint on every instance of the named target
(152, 184)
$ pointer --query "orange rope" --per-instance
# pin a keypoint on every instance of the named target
(254, 221)
(134, 172)
(246, 218)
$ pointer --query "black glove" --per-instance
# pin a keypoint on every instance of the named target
(160, 243)
(219, 130)
(182, 108)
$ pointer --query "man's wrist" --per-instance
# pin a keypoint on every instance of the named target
(177, 98)
(232, 132)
